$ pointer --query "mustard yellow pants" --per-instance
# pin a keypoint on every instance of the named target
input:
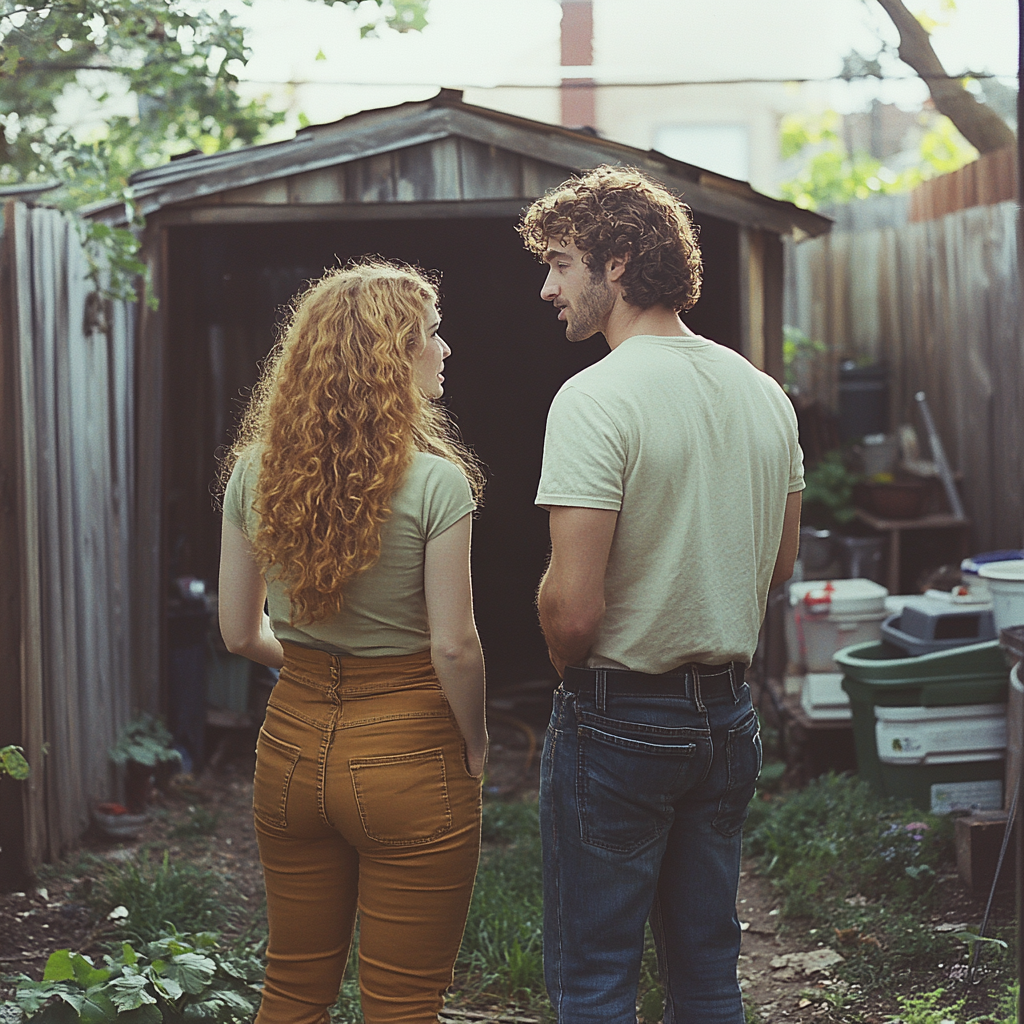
(362, 800)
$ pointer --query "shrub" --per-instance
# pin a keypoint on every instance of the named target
(174, 979)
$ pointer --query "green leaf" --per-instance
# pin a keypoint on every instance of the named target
(12, 761)
(193, 971)
(169, 987)
(59, 967)
(98, 1008)
(85, 974)
(129, 992)
(147, 1014)
(11, 59)
(31, 995)
(128, 954)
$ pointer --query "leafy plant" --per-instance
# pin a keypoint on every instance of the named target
(13, 763)
(829, 486)
(155, 898)
(175, 978)
(146, 741)
(797, 351)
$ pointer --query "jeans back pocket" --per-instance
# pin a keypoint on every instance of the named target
(625, 783)
(402, 798)
(275, 765)
(743, 762)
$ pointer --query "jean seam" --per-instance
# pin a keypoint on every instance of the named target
(730, 772)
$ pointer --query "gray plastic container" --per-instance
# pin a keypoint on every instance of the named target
(926, 626)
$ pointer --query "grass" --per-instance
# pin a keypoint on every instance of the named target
(159, 894)
(859, 873)
(501, 949)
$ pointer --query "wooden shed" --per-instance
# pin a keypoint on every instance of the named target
(231, 237)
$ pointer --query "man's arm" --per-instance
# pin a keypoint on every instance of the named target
(571, 596)
(790, 543)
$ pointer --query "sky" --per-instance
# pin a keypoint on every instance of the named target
(486, 43)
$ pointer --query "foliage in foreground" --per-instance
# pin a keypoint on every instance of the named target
(176, 978)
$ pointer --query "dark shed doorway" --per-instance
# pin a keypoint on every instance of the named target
(228, 287)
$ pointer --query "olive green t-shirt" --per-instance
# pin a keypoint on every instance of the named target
(697, 451)
(385, 611)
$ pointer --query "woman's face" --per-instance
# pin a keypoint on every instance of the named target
(428, 362)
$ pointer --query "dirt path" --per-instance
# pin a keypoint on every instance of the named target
(785, 976)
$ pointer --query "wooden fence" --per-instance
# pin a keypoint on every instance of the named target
(67, 360)
(990, 179)
(939, 301)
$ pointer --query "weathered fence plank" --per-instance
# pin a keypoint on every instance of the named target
(940, 302)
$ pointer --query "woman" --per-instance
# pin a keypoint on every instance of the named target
(348, 510)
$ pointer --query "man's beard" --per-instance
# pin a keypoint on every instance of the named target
(590, 310)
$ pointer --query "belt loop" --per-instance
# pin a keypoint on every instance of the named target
(695, 674)
(732, 681)
(601, 690)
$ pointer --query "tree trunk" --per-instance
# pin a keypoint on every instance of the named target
(981, 126)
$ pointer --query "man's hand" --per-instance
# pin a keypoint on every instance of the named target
(571, 596)
(558, 662)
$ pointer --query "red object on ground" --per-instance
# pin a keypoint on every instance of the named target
(111, 809)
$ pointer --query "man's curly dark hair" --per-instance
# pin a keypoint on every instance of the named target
(620, 211)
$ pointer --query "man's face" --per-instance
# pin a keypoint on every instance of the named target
(583, 299)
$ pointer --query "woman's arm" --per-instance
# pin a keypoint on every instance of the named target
(454, 644)
(242, 592)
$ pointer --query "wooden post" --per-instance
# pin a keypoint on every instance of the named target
(752, 296)
(12, 811)
(18, 228)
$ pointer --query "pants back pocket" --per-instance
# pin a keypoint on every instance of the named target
(402, 798)
(275, 764)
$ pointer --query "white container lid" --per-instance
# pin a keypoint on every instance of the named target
(848, 597)
(1011, 571)
(955, 711)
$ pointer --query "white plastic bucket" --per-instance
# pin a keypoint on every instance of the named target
(1006, 582)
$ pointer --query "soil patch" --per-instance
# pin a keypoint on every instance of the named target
(787, 974)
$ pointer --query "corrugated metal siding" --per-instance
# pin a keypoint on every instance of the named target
(940, 302)
(74, 358)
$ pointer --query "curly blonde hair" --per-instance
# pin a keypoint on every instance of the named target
(336, 418)
(620, 211)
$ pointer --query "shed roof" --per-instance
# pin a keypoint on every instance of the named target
(387, 130)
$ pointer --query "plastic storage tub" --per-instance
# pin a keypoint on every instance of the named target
(826, 616)
(823, 697)
(927, 624)
(876, 676)
(1006, 582)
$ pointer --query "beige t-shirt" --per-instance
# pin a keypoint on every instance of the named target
(697, 451)
(385, 611)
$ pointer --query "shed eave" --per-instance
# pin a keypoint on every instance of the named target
(372, 133)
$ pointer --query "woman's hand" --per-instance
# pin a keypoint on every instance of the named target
(475, 760)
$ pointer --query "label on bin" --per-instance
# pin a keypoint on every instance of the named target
(986, 795)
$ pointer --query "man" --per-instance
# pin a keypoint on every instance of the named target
(672, 474)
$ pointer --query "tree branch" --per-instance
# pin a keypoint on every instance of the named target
(979, 124)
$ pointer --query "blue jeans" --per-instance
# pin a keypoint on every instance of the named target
(642, 802)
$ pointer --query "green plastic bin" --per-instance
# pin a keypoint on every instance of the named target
(877, 674)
